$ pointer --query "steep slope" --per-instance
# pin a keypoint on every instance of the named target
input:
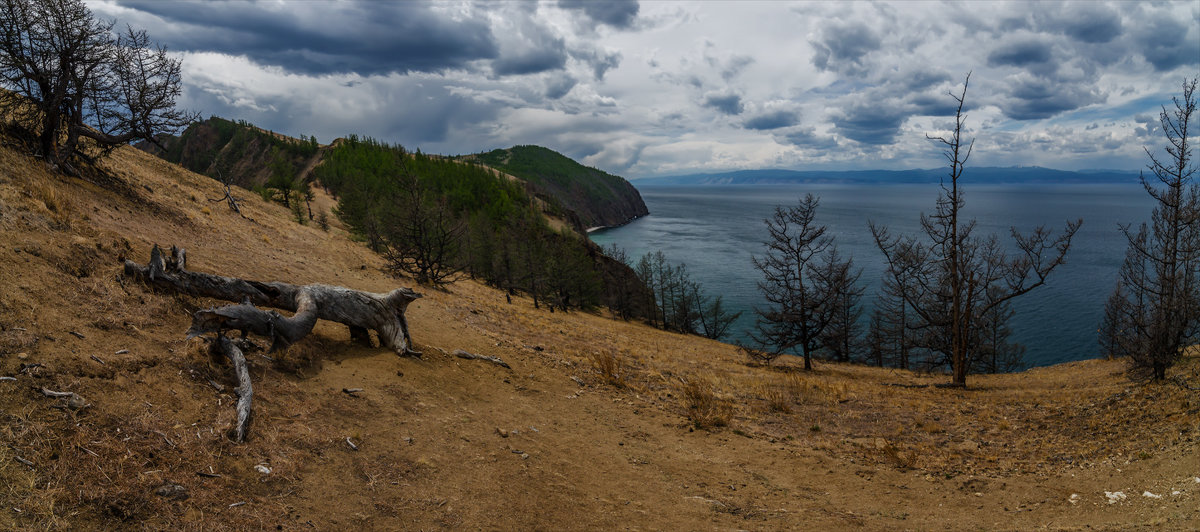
(237, 150)
(447, 443)
(598, 198)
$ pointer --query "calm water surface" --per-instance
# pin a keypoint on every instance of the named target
(716, 229)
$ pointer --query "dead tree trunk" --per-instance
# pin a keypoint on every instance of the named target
(245, 392)
(360, 311)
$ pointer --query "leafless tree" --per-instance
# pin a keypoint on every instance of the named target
(799, 282)
(958, 278)
(69, 77)
(839, 279)
(423, 237)
(1154, 312)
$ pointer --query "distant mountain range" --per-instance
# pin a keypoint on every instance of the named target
(991, 175)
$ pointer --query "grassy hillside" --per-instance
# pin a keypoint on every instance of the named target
(597, 197)
(681, 435)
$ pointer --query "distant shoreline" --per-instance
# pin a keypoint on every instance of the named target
(591, 230)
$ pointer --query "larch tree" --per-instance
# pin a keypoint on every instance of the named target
(68, 76)
(959, 280)
(1154, 311)
(798, 284)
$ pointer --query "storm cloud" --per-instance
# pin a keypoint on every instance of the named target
(615, 13)
(651, 88)
(730, 104)
(365, 38)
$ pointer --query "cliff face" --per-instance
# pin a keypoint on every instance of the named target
(597, 198)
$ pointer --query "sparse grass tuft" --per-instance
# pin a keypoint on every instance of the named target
(777, 398)
(705, 409)
(609, 367)
(901, 459)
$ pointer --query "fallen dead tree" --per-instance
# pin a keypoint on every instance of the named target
(360, 311)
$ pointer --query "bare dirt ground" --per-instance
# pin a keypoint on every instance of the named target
(600, 424)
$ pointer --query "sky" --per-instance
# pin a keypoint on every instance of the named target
(652, 88)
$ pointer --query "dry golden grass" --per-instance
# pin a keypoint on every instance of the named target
(608, 366)
(776, 397)
(704, 408)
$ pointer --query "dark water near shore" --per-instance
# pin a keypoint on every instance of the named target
(716, 229)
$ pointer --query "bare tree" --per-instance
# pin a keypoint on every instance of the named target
(958, 278)
(69, 77)
(797, 284)
(895, 328)
(840, 280)
(1154, 312)
(423, 237)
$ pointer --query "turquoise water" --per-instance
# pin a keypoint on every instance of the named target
(716, 229)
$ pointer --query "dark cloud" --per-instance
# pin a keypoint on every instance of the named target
(391, 117)
(619, 14)
(531, 61)
(1033, 98)
(843, 47)
(924, 78)
(808, 138)
(366, 38)
(529, 47)
(1091, 23)
(875, 122)
(772, 120)
(558, 86)
(600, 61)
(927, 104)
(1166, 43)
(1147, 126)
(728, 103)
(1020, 53)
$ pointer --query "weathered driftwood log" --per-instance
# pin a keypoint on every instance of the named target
(472, 356)
(360, 311)
(245, 392)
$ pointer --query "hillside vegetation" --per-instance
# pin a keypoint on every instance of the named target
(600, 423)
(597, 198)
(239, 151)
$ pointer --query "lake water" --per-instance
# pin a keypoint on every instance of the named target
(716, 229)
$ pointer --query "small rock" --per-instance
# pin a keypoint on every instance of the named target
(172, 491)
(1176, 493)
(503, 433)
(1149, 495)
(76, 402)
(524, 456)
(1114, 496)
(1074, 498)
(261, 468)
(22, 356)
